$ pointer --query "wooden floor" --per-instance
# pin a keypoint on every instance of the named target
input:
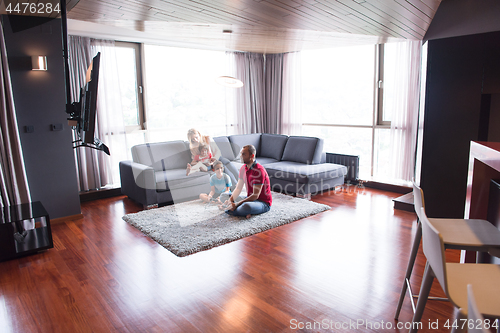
(340, 270)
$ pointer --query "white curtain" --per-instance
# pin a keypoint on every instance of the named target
(404, 122)
(250, 101)
(270, 100)
(79, 57)
(13, 181)
(110, 121)
(14, 189)
(291, 105)
(96, 169)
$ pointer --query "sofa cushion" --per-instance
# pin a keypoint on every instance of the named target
(239, 141)
(305, 173)
(287, 187)
(303, 149)
(162, 155)
(225, 147)
(265, 161)
(236, 165)
(176, 178)
(272, 145)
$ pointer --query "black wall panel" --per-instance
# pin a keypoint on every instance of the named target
(455, 76)
(39, 98)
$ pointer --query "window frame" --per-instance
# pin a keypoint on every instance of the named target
(378, 106)
(138, 50)
(377, 111)
(380, 87)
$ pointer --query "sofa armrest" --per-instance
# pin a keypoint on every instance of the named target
(138, 182)
(231, 171)
(350, 161)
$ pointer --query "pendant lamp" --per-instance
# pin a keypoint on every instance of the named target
(229, 81)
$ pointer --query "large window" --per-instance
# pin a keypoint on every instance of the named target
(164, 91)
(128, 58)
(344, 99)
(182, 92)
(338, 85)
(167, 90)
(130, 75)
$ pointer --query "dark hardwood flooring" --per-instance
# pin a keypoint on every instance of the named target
(341, 269)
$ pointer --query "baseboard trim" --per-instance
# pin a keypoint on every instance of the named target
(100, 194)
(388, 187)
(404, 202)
(66, 219)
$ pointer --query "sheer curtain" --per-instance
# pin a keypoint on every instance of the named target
(80, 56)
(274, 93)
(270, 100)
(290, 122)
(95, 168)
(404, 122)
(13, 180)
(250, 101)
(110, 121)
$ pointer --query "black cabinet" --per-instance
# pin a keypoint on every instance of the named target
(24, 230)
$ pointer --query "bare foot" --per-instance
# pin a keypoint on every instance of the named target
(249, 216)
(188, 170)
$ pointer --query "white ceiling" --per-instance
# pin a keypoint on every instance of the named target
(264, 26)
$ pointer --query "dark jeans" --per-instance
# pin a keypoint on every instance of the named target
(251, 207)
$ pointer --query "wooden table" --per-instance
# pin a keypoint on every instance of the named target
(484, 165)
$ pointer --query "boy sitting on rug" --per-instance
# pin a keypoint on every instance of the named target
(221, 185)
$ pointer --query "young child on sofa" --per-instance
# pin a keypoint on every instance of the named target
(205, 157)
(220, 183)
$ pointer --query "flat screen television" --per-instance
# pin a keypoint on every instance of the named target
(88, 101)
(83, 113)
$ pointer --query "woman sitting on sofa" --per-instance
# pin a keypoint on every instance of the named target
(195, 140)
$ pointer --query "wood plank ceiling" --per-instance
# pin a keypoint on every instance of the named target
(264, 26)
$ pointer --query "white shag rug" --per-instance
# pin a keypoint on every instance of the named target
(193, 226)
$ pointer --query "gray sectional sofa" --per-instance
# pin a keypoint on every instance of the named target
(296, 165)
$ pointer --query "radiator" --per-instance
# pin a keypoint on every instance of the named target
(350, 161)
